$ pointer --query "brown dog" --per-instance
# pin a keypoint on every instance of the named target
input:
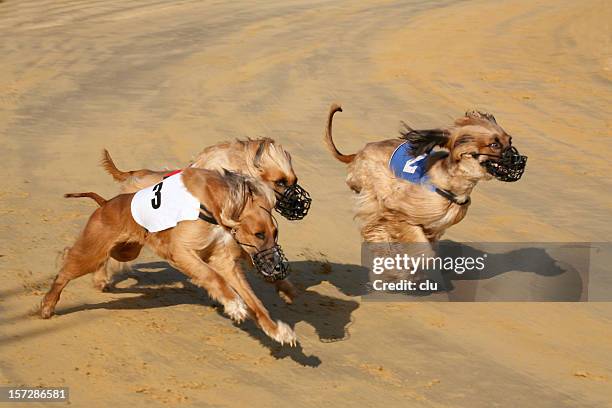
(263, 159)
(235, 217)
(452, 161)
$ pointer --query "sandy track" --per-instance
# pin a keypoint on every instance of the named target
(155, 82)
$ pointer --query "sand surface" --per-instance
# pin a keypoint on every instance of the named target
(155, 82)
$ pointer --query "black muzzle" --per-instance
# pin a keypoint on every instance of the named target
(507, 167)
(271, 263)
(294, 203)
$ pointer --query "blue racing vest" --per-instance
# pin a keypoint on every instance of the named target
(407, 167)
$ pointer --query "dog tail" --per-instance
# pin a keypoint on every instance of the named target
(344, 158)
(109, 166)
(97, 198)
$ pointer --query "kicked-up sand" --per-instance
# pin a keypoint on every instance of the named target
(155, 82)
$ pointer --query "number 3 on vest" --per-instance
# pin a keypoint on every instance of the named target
(156, 202)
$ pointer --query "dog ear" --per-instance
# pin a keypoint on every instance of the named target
(248, 190)
(288, 155)
(233, 205)
(423, 141)
(255, 188)
(260, 151)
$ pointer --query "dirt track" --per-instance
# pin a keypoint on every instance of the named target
(156, 82)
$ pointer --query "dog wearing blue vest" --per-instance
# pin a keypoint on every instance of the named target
(413, 188)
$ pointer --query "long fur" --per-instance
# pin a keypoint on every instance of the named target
(390, 209)
(423, 141)
(240, 189)
(255, 157)
(109, 166)
(262, 159)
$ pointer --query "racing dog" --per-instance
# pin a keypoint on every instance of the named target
(200, 221)
(259, 158)
(413, 188)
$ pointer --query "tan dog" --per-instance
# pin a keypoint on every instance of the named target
(236, 217)
(391, 209)
(261, 158)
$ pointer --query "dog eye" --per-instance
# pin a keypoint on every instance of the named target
(261, 235)
(281, 183)
(494, 145)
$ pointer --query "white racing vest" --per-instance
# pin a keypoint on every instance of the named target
(164, 205)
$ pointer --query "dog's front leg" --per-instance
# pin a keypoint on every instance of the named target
(230, 268)
(279, 331)
(286, 290)
(216, 285)
(232, 254)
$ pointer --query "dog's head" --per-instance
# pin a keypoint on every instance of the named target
(247, 212)
(272, 164)
(478, 147)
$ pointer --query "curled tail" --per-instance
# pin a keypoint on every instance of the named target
(97, 198)
(111, 169)
(345, 158)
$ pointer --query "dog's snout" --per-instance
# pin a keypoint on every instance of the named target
(294, 203)
(271, 263)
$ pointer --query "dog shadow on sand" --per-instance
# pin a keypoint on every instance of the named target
(561, 272)
(160, 285)
(548, 262)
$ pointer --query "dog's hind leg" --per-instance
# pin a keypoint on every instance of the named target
(78, 263)
(47, 306)
(89, 253)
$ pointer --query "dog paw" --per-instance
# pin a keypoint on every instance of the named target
(236, 310)
(284, 334)
(103, 286)
(46, 311)
(101, 282)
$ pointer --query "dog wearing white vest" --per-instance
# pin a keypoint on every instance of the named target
(264, 159)
(207, 221)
